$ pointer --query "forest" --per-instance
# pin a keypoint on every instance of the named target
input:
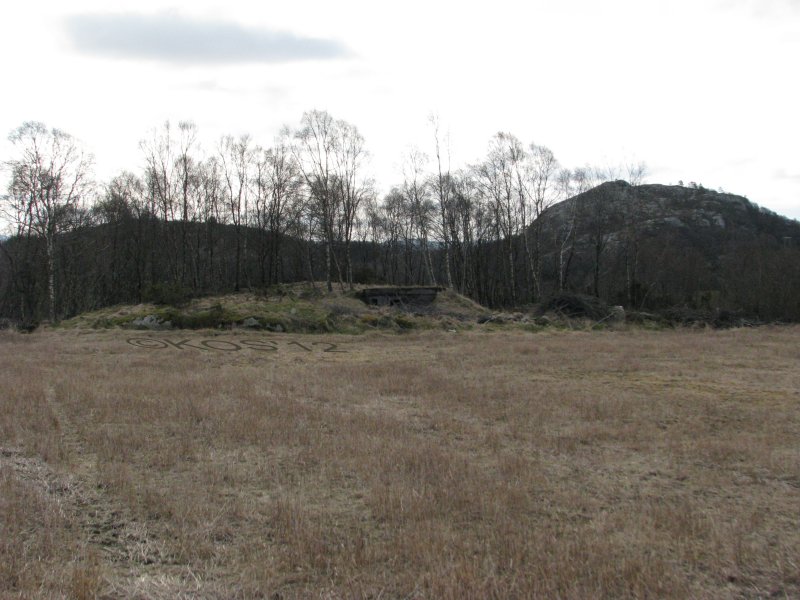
(509, 231)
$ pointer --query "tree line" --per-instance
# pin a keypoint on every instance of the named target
(243, 216)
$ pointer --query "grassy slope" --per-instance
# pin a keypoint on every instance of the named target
(291, 308)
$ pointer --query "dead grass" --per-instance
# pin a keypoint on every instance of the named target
(564, 464)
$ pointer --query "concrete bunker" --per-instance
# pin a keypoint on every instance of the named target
(399, 296)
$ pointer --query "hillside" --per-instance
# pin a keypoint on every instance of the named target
(656, 246)
(696, 213)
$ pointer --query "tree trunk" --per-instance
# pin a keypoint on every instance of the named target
(447, 273)
(328, 253)
(511, 276)
(238, 259)
(349, 266)
(597, 253)
(51, 276)
(428, 261)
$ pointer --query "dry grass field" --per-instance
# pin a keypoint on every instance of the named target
(562, 464)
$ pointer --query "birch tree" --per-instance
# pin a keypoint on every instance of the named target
(50, 181)
(420, 206)
(350, 154)
(314, 150)
(277, 187)
(497, 182)
(236, 159)
(443, 189)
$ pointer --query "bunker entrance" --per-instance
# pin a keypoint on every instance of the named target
(399, 296)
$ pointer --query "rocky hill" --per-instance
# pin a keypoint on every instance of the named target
(655, 209)
(657, 245)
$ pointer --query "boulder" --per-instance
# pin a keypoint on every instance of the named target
(251, 323)
(616, 314)
(152, 322)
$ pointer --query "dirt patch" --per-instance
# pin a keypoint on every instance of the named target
(126, 559)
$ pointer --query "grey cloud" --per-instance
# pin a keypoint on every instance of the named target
(175, 39)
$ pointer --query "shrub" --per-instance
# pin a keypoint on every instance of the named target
(379, 321)
(404, 322)
(576, 306)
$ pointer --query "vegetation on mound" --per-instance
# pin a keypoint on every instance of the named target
(306, 308)
(296, 308)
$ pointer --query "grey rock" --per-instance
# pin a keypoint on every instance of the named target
(251, 323)
(673, 221)
(617, 314)
(152, 322)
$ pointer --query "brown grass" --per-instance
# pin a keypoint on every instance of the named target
(622, 464)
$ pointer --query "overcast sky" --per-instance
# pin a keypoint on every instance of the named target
(700, 90)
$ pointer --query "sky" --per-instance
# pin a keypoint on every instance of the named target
(699, 90)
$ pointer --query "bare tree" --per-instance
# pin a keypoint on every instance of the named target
(443, 189)
(394, 222)
(187, 179)
(211, 210)
(160, 161)
(236, 158)
(566, 231)
(124, 209)
(50, 180)
(315, 144)
(161, 180)
(350, 153)
(463, 229)
(416, 192)
(542, 170)
(277, 189)
(498, 185)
